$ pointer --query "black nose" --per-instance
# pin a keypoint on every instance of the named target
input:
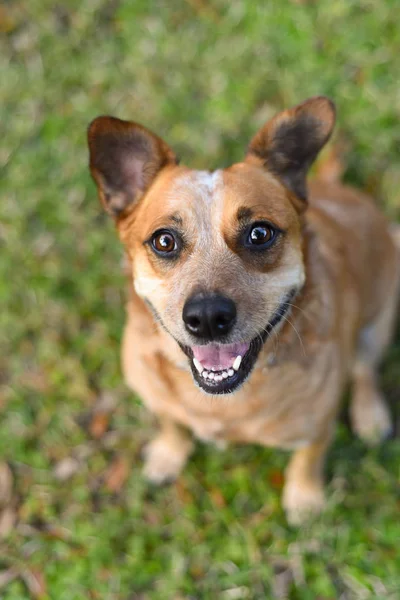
(209, 317)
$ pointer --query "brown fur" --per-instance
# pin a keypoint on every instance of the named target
(337, 251)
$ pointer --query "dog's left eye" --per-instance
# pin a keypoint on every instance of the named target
(164, 242)
(261, 235)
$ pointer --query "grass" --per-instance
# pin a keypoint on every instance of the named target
(204, 75)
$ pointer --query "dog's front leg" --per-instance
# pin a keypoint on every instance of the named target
(303, 493)
(166, 455)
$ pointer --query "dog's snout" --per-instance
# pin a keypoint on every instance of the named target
(209, 317)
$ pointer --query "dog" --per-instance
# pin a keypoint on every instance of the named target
(251, 284)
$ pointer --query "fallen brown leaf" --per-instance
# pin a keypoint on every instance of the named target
(151, 516)
(204, 8)
(36, 380)
(8, 517)
(217, 498)
(7, 577)
(277, 479)
(66, 468)
(7, 22)
(282, 581)
(35, 582)
(183, 492)
(117, 474)
(6, 484)
(99, 424)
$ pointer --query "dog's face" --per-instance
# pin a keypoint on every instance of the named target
(217, 256)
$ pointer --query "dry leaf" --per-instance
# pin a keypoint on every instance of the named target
(6, 484)
(277, 479)
(217, 498)
(7, 577)
(36, 380)
(99, 424)
(66, 468)
(105, 403)
(117, 474)
(151, 516)
(8, 518)
(35, 582)
(183, 492)
(282, 581)
(104, 406)
(7, 22)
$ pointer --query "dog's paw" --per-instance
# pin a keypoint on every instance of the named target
(301, 503)
(370, 417)
(163, 461)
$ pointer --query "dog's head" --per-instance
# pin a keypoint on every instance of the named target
(217, 256)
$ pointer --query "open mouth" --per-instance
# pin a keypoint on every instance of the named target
(223, 368)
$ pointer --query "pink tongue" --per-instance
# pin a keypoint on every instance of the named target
(219, 356)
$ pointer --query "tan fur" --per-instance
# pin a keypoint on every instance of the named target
(338, 252)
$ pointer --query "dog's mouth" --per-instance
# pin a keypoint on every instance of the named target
(223, 368)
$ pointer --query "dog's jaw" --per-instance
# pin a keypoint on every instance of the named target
(225, 367)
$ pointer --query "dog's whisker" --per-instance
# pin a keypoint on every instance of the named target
(297, 333)
(306, 313)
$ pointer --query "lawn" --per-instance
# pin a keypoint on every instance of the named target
(81, 522)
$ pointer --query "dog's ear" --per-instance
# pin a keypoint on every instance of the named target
(124, 159)
(289, 143)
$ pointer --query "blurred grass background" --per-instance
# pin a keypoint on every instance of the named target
(80, 521)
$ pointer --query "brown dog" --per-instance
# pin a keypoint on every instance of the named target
(248, 285)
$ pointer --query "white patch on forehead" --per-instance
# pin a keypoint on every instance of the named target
(202, 193)
(212, 183)
(204, 185)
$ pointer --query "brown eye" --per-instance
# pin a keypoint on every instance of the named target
(164, 242)
(261, 235)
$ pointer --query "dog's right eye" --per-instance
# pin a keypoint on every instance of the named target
(164, 242)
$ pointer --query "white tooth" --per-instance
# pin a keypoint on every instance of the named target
(231, 372)
(205, 374)
(211, 375)
(218, 378)
(225, 374)
(237, 362)
(198, 365)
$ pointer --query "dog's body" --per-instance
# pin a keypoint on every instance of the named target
(320, 295)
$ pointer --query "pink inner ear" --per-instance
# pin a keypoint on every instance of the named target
(133, 172)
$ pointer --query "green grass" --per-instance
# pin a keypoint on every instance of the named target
(204, 75)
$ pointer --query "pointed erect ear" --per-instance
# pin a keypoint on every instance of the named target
(124, 159)
(289, 143)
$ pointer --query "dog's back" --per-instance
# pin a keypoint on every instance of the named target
(362, 233)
